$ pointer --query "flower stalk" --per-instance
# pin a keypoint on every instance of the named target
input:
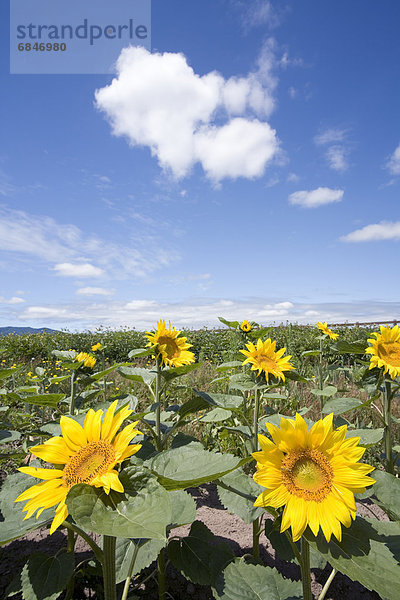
(387, 400)
(305, 569)
(110, 590)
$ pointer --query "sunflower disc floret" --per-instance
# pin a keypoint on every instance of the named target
(263, 359)
(313, 473)
(87, 454)
(172, 348)
(385, 350)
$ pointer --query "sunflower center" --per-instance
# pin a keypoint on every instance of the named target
(91, 460)
(390, 353)
(307, 474)
(266, 363)
(171, 347)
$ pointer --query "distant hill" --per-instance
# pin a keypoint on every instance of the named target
(24, 330)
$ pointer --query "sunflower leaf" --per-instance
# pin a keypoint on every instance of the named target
(174, 372)
(45, 577)
(7, 436)
(137, 374)
(341, 405)
(233, 324)
(369, 553)
(368, 437)
(356, 347)
(191, 465)
(329, 390)
(216, 415)
(226, 401)
(255, 582)
(233, 491)
(183, 509)
(200, 556)
(387, 490)
(228, 366)
(39, 399)
(147, 553)
(145, 516)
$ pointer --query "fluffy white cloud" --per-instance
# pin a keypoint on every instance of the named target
(315, 198)
(393, 164)
(386, 230)
(78, 270)
(94, 291)
(13, 300)
(336, 156)
(158, 101)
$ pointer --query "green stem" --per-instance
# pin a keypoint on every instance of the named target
(70, 549)
(129, 575)
(327, 584)
(70, 540)
(387, 399)
(103, 365)
(97, 551)
(321, 383)
(256, 538)
(110, 590)
(294, 547)
(161, 575)
(158, 409)
(72, 409)
(305, 569)
(255, 420)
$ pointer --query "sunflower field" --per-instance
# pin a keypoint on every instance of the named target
(107, 437)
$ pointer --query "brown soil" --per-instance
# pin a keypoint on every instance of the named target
(227, 527)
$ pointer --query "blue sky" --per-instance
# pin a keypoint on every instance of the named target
(249, 167)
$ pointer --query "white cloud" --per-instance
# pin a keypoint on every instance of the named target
(78, 270)
(393, 164)
(158, 101)
(330, 136)
(315, 198)
(94, 291)
(13, 300)
(336, 156)
(386, 230)
(257, 13)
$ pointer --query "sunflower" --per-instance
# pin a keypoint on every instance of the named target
(97, 347)
(171, 346)
(325, 329)
(313, 473)
(264, 358)
(85, 454)
(245, 326)
(385, 350)
(88, 360)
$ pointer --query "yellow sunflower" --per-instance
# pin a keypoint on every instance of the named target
(385, 350)
(97, 347)
(173, 350)
(313, 473)
(245, 326)
(88, 360)
(85, 454)
(263, 357)
(325, 329)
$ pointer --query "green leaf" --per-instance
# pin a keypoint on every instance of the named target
(279, 541)
(65, 354)
(341, 405)
(190, 466)
(4, 373)
(183, 509)
(236, 499)
(221, 400)
(200, 556)
(255, 582)
(140, 352)
(100, 374)
(148, 552)
(233, 364)
(7, 436)
(242, 430)
(233, 324)
(295, 376)
(356, 347)
(144, 511)
(216, 415)
(172, 373)
(387, 490)
(241, 381)
(45, 577)
(369, 553)
(39, 399)
(137, 374)
(327, 391)
(311, 353)
(192, 406)
(12, 524)
(368, 437)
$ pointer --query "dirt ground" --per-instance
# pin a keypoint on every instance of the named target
(227, 527)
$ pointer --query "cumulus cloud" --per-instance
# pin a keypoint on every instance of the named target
(336, 156)
(315, 198)
(13, 300)
(393, 164)
(78, 270)
(94, 291)
(158, 101)
(385, 230)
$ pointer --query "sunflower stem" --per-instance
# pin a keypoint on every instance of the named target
(161, 575)
(305, 569)
(158, 408)
(130, 571)
(321, 383)
(327, 584)
(110, 590)
(387, 399)
(97, 551)
(256, 538)
(73, 390)
(255, 420)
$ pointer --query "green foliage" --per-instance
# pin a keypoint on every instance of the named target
(45, 577)
(237, 492)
